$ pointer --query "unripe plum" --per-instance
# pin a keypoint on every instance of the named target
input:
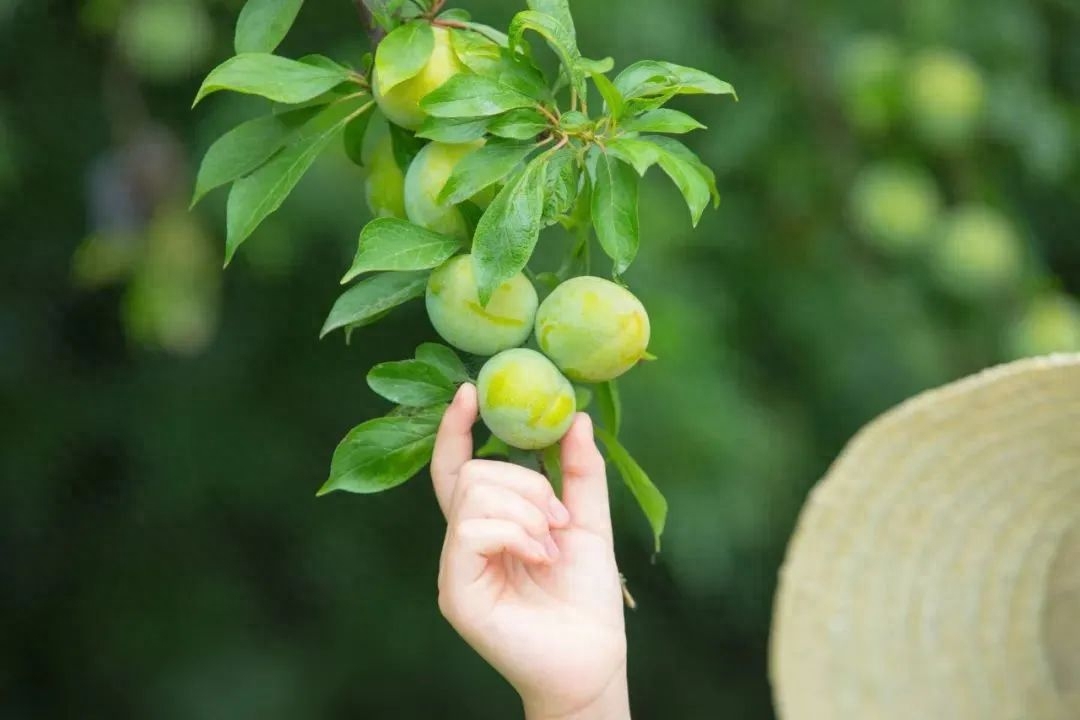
(979, 252)
(946, 95)
(402, 102)
(1050, 324)
(895, 206)
(425, 179)
(593, 329)
(524, 400)
(454, 308)
(384, 186)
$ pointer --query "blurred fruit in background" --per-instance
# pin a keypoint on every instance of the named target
(165, 40)
(978, 253)
(946, 96)
(1049, 323)
(895, 206)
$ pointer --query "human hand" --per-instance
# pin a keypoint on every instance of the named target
(531, 582)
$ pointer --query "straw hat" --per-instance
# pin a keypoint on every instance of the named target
(935, 572)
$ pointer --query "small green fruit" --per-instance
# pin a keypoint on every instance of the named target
(454, 308)
(402, 103)
(1050, 324)
(384, 187)
(425, 179)
(946, 96)
(592, 329)
(979, 253)
(895, 206)
(524, 400)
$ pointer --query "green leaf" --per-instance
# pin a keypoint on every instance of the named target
(560, 185)
(383, 12)
(383, 453)
(574, 121)
(647, 78)
(583, 397)
(445, 360)
(496, 36)
(650, 498)
(520, 124)
(403, 53)
(355, 131)
(275, 78)
(592, 67)
(453, 130)
(494, 447)
(663, 120)
(558, 31)
(466, 95)
(609, 403)
(261, 193)
(483, 168)
(405, 145)
(506, 234)
(642, 154)
(676, 148)
(263, 24)
(393, 244)
(411, 383)
(560, 10)
(612, 97)
(455, 14)
(245, 148)
(615, 210)
(689, 181)
(372, 296)
(489, 60)
(552, 458)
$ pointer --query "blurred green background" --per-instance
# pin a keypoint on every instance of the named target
(901, 189)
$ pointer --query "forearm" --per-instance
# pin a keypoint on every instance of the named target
(612, 704)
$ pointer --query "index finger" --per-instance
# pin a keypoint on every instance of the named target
(453, 444)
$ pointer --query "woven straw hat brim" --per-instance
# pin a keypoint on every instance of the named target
(935, 571)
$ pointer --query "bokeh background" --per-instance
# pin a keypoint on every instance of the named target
(901, 189)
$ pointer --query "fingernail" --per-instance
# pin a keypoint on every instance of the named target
(558, 512)
(551, 548)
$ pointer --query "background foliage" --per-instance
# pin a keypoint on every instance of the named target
(166, 427)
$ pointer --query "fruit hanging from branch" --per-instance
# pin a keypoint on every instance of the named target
(472, 152)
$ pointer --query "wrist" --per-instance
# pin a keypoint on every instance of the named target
(613, 703)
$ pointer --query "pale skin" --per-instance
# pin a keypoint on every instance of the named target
(529, 580)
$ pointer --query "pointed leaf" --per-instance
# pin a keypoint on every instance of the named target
(689, 180)
(612, 97)
(610, 405)
(245, 148)
(676, 148)
(639, 153)
(663, 120)
(466, 95)
(272, 77)
(375, 295)
(453, 130)
(263, 24)
(506, 234)
(648, 496)
(520, 124)
(355, 131)
(445, 360)
(403, 53)
(383, 453)
(411, 383)
(261, 193)
(559, 34)
(483, 168)
(393, 244)
(652, 77)
(615, 210)
(560, 185)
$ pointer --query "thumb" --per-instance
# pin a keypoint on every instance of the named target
(585, 491)
(453, 444)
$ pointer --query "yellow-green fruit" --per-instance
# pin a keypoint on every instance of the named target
(592, 329)
(454, 308)
(384, 186)
(402, 102)
(427, 175)
(524, 400)
(895, 206)
(869, 75)
(979, 252)
(1050, 324)
(946, 96)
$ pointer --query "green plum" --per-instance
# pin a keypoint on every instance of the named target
(384, 187)
(1051, 323)
(979, 252)
(593, 329)
(425, 179)
(453, 305)
(524, 400)
(402, 102)
(895, 206)
(946, 96)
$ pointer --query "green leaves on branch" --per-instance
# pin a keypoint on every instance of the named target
(507, 232)
(663, 120)
(445, 360)
(393, 244)
(371, 298)
(693, 178)
(472, 96)
(615, 210)
(560, 37)
(483, 168)
(412, 383)
(648, 84)
(403, 53)
(272, 77)
(263, 24)
(648, 497)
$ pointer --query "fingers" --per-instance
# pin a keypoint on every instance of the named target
(498, 503)
(471, 543)
(530, 485)
(453, 444)
(585, 490)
